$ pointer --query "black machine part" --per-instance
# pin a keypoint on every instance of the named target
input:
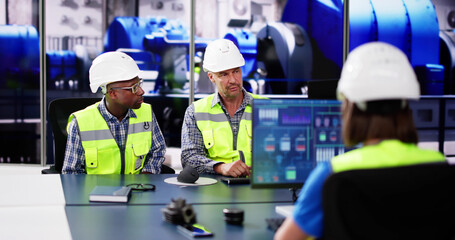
(178, 212)
(188, 175)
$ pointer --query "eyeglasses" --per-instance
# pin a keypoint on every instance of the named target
(133, 88)
(142, 186)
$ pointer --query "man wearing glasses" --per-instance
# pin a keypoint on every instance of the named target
(119, 134)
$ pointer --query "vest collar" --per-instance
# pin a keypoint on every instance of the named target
(247, 100)
(108, 116)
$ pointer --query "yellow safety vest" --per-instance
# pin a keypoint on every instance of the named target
(387, 153)
(217, 133)
(102, 154)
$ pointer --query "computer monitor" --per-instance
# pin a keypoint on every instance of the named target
(290, 136)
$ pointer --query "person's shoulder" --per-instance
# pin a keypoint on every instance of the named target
(206, 98)
(86, 112)
(255, 96)
(352, 154)
(431, 154)
(72, 126)
(145, 107)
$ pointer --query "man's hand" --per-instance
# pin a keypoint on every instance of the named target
(234, 169)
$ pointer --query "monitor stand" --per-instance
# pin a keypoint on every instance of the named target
(286, 210)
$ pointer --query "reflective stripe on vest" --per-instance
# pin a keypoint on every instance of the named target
(217, 133)
(388, 153)
(102, 154)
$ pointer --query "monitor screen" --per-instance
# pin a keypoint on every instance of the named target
(290, 136)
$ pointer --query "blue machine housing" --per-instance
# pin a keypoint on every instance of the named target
(173, 34)
(285, 53)
(128, 33)
(62, 71)
(19, 62)
(410, 25)
(157, 44)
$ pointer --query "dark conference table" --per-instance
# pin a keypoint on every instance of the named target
(141, 217)
(77, 188)
(146, 222)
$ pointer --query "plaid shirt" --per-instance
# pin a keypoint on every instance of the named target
(74, 153)
(193, 149)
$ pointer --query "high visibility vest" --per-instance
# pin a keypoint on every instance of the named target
(388, 153)
(217, 133)
(102, 154)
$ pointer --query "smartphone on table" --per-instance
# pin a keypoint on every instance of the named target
(195, 230)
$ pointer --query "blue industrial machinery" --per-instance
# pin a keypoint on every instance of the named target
(19, 84)
(445, 10)
(128, 33)
(448, 58)
(62, 69)
(157, 44)
(19, 61)
(306, 45)
(20, 66)
(284, 52)
(410, 25)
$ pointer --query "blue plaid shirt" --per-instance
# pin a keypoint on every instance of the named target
(193, 149)
(74, 153)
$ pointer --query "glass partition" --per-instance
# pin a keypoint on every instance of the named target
(282, 54)
(19, 83)
(292, 48)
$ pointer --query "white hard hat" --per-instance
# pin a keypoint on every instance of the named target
(111, 67)
(222, 54)
(377, 71)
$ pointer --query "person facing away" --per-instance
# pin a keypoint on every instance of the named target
(119, 134)
(376, 82)
(216, 130)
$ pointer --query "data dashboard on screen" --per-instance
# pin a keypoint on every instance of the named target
(291, 136)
